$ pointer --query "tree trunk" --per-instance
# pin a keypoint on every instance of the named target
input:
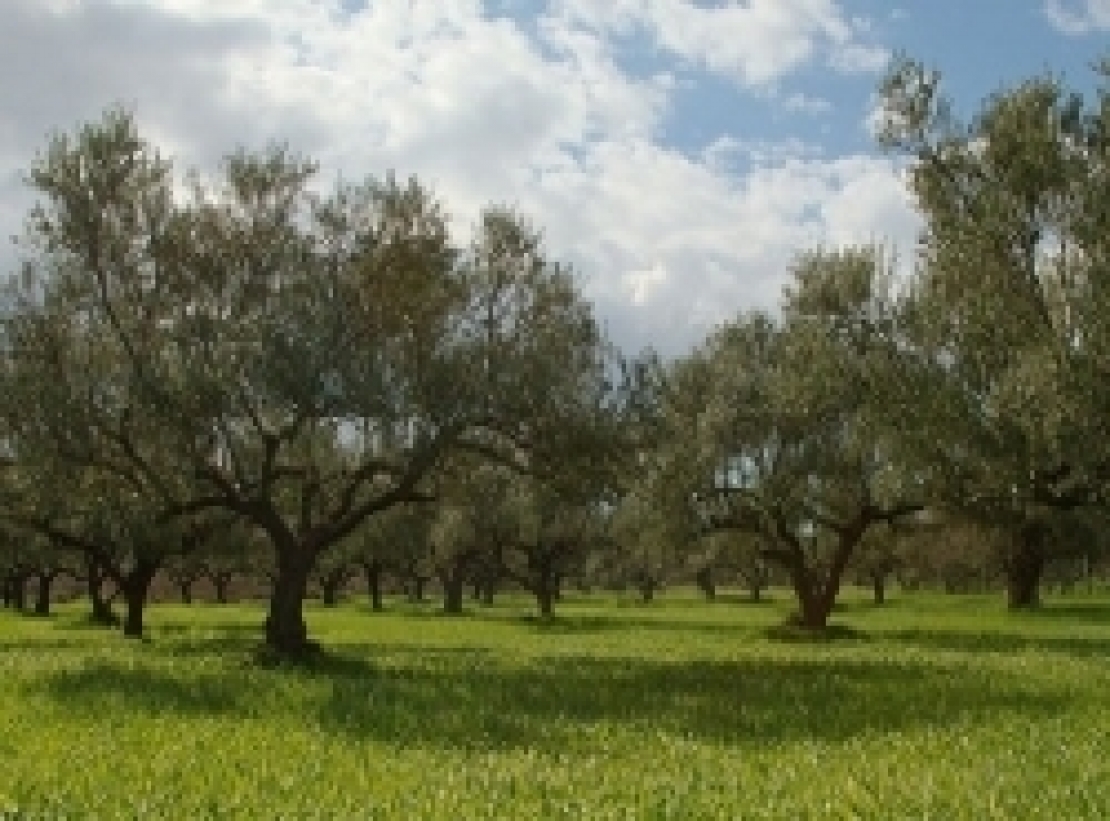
(373, 572)
(19, 591)
(647, 589)
(330, 586)
(1025, 567)
(185, 587)
(286, 631)
(545, 598)
(878, 587)
(813, 606)
(135, 588)
(704, 579)
(102, 612)
(221, 582)
(454, 590)
(42, 596)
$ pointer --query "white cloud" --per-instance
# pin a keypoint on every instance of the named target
(757, 43)
(668, 243)
(1086, 17)
(677, 246)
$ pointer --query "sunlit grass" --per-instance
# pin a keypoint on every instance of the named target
(935, 707)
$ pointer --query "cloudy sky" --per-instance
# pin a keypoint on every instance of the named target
(677, 152)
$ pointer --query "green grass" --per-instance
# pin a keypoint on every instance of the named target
(930, 707)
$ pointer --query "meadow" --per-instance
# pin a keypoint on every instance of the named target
(930, 707)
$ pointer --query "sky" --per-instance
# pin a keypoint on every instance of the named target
(678, 153)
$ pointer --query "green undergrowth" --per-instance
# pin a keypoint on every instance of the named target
(930, 707)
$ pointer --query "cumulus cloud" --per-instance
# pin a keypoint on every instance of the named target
(540, 115)
(1078, 17)
(757, 43)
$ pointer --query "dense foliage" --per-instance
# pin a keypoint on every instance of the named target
(252, 382)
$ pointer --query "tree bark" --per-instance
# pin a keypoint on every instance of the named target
(373, 572)
(220, 582)
(704, 579)
(19, 591)
(136, 588)
(416, 589)
(331, 585)
(454, 590)
(545, 598)
(878, 587)
(42, 596)
(817, 592)
(185, 587)
(1025, 567)
(102, 612)
(286, 631)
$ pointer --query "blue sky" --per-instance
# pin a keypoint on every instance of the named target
(678, 153)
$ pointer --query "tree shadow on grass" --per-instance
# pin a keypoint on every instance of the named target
(996, 642)
(474, 700)
(1089, 612)
(105, 688)
(628, 620)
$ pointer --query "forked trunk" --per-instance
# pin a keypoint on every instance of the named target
(817, 591)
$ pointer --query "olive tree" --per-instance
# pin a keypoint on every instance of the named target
(797, 444)
(302, 360)
(1010, 303)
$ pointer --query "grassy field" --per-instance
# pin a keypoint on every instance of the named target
(936, 707)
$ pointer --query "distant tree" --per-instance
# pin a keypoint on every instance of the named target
(797, 443)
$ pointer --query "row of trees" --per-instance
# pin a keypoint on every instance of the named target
(256, 369)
